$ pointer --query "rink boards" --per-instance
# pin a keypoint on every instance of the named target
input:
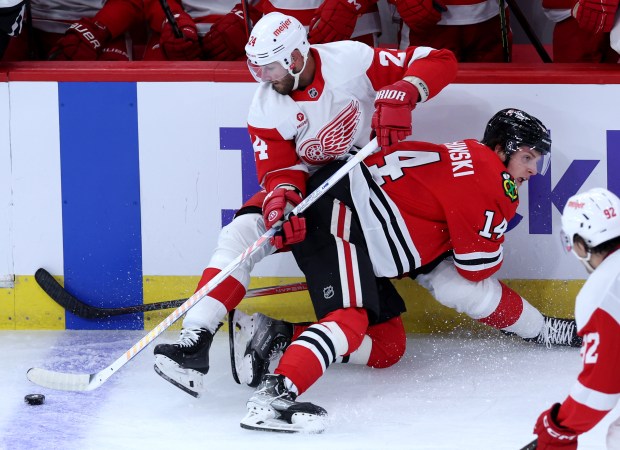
(119, 188)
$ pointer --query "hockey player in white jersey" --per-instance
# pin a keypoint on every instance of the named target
(314, 105)
(591, 230)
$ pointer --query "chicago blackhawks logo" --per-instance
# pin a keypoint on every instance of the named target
(334, 139)
(510, 187)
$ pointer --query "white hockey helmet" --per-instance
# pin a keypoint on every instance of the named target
(273, 40)
(594, 215)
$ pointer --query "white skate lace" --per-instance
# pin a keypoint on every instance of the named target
(557, 331)
(188, 337)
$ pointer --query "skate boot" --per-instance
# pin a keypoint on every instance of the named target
(272, 407)
(186, 362)
(255, 341)
(558, 332)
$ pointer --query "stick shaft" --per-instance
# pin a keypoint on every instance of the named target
(170, 17)
(76, 306)
(540, 49)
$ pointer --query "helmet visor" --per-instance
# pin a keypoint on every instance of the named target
(542, 165)
(532, 158)
(273, 71)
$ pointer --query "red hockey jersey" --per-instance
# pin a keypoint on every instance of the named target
(428, 199)
(597, 313)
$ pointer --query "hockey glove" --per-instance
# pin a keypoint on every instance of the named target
(278, 203)
(391, 121)
(293, 232)
(595, 16)
(552, 436)
(420, 15)
(83, 41)
(186, 48)
(335, 20)
(226, 39)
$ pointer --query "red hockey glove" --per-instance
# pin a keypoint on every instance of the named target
(83, 41)
(595, 16)
(335, 20)
(186, 48)
(227, 37)
(420, 15)
(293, 232)
(552, 436)
(279, 203)
(391, 121)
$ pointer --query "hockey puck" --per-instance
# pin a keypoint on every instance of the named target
(34, 399)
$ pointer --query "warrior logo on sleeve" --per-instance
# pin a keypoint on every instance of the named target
(334, 139)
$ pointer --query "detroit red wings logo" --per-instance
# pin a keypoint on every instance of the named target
(334, 139)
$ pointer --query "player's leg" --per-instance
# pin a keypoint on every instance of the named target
(184, 362)
(257, 340)
(493, 303)
(344, 294)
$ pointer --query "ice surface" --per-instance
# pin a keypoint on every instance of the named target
(456, 391)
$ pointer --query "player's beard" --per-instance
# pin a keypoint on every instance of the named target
(285, 85)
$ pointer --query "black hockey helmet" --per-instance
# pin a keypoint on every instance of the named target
(512, 127)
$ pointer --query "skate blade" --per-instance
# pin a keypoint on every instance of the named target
(302, 423)
(188, 380)
(239, 334)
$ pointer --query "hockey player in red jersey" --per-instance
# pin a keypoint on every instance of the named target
(591, 230)
(314, 105)
(438, 212)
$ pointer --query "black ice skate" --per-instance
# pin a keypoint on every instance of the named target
(272, 407)
(558, 332)
(255, 341)
(185, 362)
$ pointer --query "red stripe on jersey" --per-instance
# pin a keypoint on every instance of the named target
(577, 416)
(507, 312)
(348, 257)
(314, 90)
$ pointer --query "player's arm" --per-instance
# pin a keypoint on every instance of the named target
(276, 160)
(284, 178)
(597, 389)
(335, 20)
(477, 223)
(86, 38)
(428, 69)
(403, 79)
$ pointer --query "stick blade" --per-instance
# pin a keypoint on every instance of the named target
(61, 381)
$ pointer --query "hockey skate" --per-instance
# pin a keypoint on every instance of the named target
(186, 362)
(272, 407)
(558, 332)
(255, 341)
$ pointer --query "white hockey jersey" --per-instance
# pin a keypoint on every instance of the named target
(597, 313)
(295, 134)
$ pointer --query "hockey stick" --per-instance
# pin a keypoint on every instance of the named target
(88, 381)
(75, 306)
(516, 10)
(504, 27)
(245, 5)
(531, 446)
(170, 17)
